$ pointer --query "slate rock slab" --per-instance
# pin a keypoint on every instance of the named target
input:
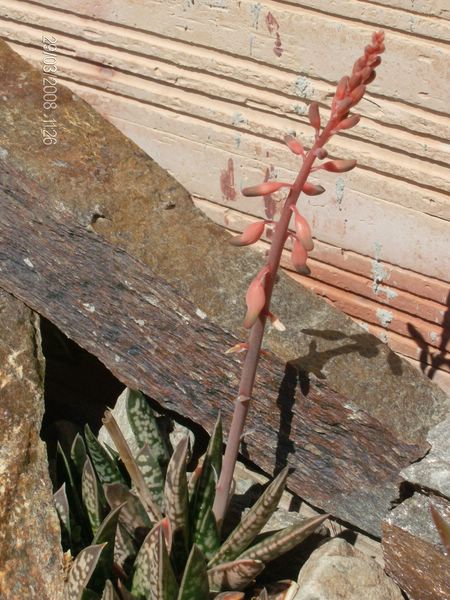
(413, 552)
(337, 571)
(100, 181)
(30, 550)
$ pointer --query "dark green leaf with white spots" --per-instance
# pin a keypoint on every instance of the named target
(62, 508)
(109, 593)
(80, 573)
(106, 534)
(207, 536)
(91, 490)
(195, 577)
(145, 426)
(105, 467)
(235, 575)
(177, 503)
(282, 541)
(79, 522)
(205, 488)
(152, 473)
(252, 522)
(78, 453)
(153, 576)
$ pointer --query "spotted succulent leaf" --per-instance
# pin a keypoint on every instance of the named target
(176, 501)
(145, 427)
(195, 578)
(91, 494)
(153, 574)
(62, 508)
(152, 473)
(252, 523)
(109, 593)
(284, 540)
(80, 573)
(105, 467)
(207, 535)
(105, 535)
(205, 486)
(78, 453)
(235, 575)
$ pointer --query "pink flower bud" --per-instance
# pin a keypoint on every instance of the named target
(250, 235)
(313, 190)
(339, 166)
(303, 230)
(255, 298)
(343, 106)
(341, 90)
(314, 115)
(355, 80)
(299, 257)
(348, 123)
(357, 94)
(371, 78)
(294, 145)
(264, 189)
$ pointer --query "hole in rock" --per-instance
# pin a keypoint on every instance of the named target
(78, 389)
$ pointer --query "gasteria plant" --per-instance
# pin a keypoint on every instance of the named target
(141, 527)
(350, 90)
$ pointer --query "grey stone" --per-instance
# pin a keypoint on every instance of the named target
(337, 571)
(433, 471)
(31, 559)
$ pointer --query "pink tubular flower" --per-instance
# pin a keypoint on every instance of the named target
(264, 189)
(348, 123)
(250, 235)
(299, 257)
(303, 230)
(255, 298)
(294, 145)
(314, 116)
(350, 90)
(338, 166)
(313, 190)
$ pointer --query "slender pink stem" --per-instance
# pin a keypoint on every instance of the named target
(247, 381)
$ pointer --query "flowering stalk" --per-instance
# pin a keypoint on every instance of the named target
(349, 92)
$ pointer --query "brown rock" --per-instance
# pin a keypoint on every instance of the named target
(338, 571)
(413, 552)
(30, 550)
(104, 183)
